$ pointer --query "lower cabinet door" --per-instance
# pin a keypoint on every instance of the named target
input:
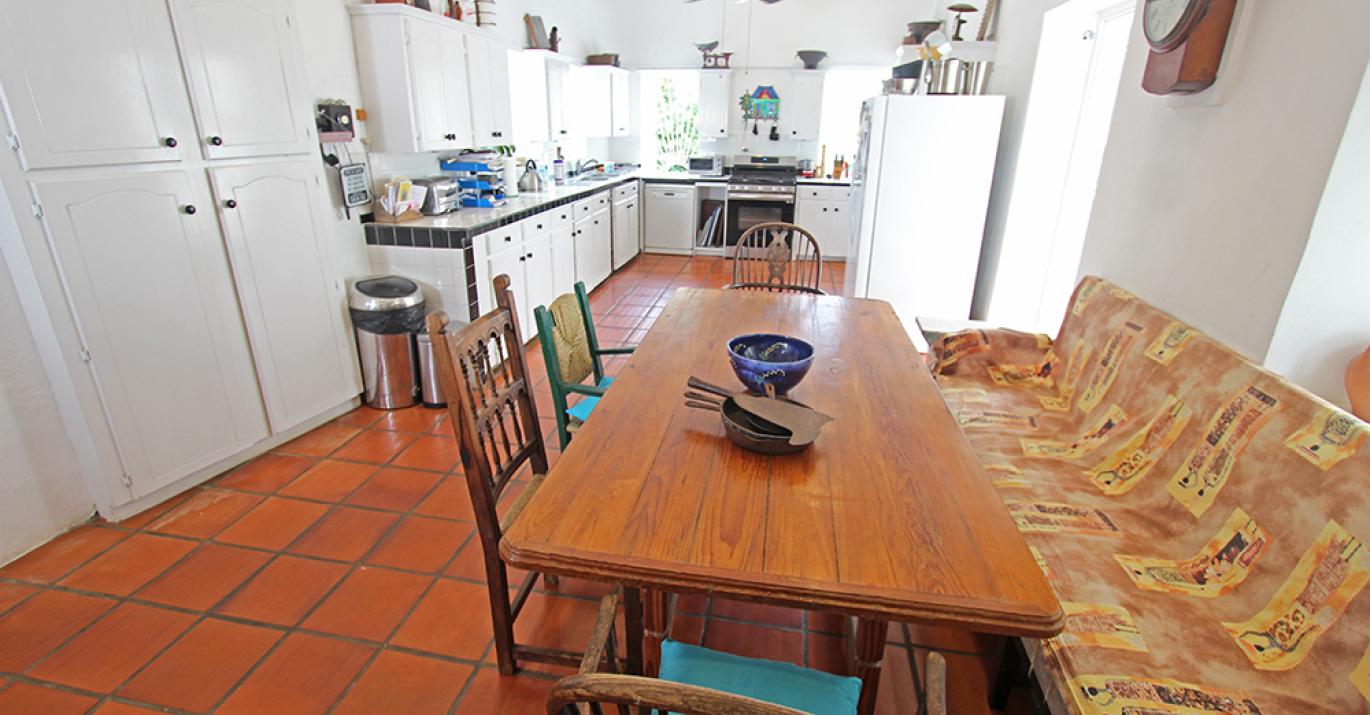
(510, 262)
(288, 286)
(602, 247)
(539, 271)
(625, 232)
(153, 300)
(583, 237)
(563, 261)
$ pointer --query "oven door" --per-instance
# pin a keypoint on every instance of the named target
(743, 213)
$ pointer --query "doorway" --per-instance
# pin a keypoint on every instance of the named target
(1069, 113)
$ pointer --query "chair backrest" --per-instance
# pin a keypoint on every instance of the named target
(575, 362)
(779, 257)
(490, 401)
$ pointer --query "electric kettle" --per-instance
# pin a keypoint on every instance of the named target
(531, 181)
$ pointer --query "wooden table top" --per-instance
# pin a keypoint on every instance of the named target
(888, 515)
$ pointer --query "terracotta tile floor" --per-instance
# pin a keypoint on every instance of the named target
(340, 573)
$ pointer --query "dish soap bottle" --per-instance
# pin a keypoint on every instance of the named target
(559, 169)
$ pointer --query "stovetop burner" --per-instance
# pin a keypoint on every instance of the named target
(765, 171)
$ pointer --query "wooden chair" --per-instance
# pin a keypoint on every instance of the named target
(490, 401)
(778, 257)
(572, 353)
(664, 694)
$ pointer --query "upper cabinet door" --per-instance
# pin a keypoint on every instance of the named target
(244, 62)
(801, 111)
(425, 49)
(488, 70)
(71, 110)
(621, 111)
(558, 92)
(456, 90)
(714, 103)
(150, 290)
(289, 289)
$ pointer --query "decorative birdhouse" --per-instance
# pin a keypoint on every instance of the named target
(761, 103)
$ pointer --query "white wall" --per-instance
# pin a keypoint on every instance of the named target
(1326, 318)
(42, 492)
(1205, 211)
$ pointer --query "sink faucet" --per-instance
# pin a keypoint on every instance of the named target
(585, 165)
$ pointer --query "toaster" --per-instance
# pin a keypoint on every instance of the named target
(443, 196)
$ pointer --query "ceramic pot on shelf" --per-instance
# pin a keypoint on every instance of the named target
(1358, 385)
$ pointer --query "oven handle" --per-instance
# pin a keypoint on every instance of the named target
(770, 198)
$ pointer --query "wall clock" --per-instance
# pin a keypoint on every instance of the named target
(1186, 38)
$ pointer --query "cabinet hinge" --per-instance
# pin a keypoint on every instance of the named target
(85, 356)
(37, 209)
(13, 140)
(126, 479)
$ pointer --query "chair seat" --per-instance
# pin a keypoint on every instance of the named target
(582, 409)
(780, 683)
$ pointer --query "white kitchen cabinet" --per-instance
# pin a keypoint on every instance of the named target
(539, 276)
(290, 298)
(627, 231)
(620, 103)
(149, 288)
(560, 98)
(825, 212)
(488, 73)
(510, 262)
(532, 115)
(423, 88)
(92, 82)
(715, 103)
(668, 220)
(593, 239)
(801, 107)
(246, 71)
(594, 104)
(563, 259)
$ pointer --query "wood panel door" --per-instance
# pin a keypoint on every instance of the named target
(150, 290)
(288, 286)
(715, 103)
(128, 107)
(245, 65)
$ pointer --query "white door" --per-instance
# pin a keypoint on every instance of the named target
(809, 214)
(593, 105)
(246, 71)
(801, 111)
(669, 221)
(154, 305)
(426, 80)
(456, 91)
(501, 108)
(488, 71)
(532, 118)
(714, 103)
(620, 107)
(288, 287)
(510, 262)
(563, 260)
(68, 110)
(635, 225)
(584, 238)
(625, 232)
(539, 272)
(601, 247)
(558, 89)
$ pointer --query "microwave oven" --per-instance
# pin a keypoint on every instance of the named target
(705, 165)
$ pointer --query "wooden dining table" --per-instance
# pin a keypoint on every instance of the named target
(888, 516)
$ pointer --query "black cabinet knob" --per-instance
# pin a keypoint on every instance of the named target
(216, 141)
(230, 203)
(169, 141)
(539, 227)
(530, 255)
(507, 239)
(522, 258)
(190, 209)
(825, 210)
(564, 131)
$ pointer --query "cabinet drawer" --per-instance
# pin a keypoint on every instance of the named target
(627, 191)
(561, 217)
(584, 208)
(503, 237)
(825, 193)
(538, 224)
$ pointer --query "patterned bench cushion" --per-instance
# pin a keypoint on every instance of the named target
(1201, 519)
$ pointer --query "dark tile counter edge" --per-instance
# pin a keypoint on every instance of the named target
(388, 234)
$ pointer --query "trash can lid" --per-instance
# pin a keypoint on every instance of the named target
(382, 293)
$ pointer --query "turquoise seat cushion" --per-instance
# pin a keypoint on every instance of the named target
(785, 684)
(582, 409)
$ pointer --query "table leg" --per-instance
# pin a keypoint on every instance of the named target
(869, 649)
(1005, 666)
(655, 616)
(632, 627)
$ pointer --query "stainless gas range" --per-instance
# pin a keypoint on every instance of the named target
(761, 189)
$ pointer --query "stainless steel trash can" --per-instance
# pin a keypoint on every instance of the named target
(430, 384)
(387, 311)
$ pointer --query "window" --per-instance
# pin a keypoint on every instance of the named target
(670, 118)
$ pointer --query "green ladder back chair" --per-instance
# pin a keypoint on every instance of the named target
(572, 353)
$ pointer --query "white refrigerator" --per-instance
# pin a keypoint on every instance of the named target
(920, 189)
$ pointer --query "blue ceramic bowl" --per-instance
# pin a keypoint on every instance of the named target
(760, 359)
